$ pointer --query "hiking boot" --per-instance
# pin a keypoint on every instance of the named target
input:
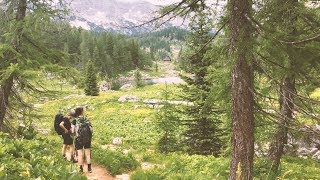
(81, 169)
(89, 168)
(64, 156)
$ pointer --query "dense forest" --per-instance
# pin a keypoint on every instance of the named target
(248, 107)
(161, 41)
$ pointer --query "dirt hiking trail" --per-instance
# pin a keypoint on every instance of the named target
(98, 172)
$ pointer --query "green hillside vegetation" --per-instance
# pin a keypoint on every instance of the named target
(140, 135)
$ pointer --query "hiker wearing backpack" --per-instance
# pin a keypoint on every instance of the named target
(65, 126)
(83, 137)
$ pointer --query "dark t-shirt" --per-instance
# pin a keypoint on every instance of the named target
(74, 121)
(67, 123)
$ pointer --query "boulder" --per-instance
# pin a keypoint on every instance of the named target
(46, 99)
(316, 155)
(129, 98)
(117, 141)
(303, 151)
(104, 86)
(313, 151)
(73, 96)
(126, 86)
(37, 105)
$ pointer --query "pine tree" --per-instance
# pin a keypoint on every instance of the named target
(134, 50)
(138, 78)
(203, 134)
(168, 123)
(91, 85)
(84, 48)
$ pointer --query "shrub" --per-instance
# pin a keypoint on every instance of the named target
(116, 162)
(115, 86)
(33, 159)
(145, 175)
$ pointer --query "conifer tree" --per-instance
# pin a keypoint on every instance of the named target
(91, 84)
(138, 78)
(168, 123)
(203, 134)
(290, 61)
(84, 49)
(20, 46)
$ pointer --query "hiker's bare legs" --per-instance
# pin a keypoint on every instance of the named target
(63, 150)
(80, 157)
(88, 155)
(71, 150)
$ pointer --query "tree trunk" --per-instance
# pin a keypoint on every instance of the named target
(286, 96)
(241, 166)
(287, 90)
(6, 87)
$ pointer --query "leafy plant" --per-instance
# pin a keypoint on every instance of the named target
(116, 162)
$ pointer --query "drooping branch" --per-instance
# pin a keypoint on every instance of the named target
(313, 38)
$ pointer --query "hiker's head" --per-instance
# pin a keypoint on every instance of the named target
(71, 114)
(78, 111)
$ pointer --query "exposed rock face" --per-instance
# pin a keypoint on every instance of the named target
(113, 15)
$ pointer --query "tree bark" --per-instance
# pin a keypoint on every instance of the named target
(241, 166)
(287, 90)
(286, 95)
(6, 87)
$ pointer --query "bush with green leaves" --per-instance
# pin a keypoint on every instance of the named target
(33, 159)
(115, 86)
(116, 162)
(146, 175)
(180, 166)
(290, 168)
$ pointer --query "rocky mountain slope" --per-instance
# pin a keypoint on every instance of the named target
(114, 15)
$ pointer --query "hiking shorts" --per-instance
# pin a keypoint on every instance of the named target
(67, 139)
(79, 145)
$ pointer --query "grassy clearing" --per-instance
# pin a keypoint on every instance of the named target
(139, 133)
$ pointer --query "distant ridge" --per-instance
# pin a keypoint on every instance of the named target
(114, 15)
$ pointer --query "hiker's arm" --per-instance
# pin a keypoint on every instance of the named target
(62, 126)
(72, 128)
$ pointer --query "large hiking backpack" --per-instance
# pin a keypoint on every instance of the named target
(83, 130)
(57, 120)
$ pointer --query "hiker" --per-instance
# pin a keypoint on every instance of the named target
(83, 138)
(66, 135)
(65, 125)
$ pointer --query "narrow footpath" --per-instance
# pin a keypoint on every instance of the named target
(98, 172)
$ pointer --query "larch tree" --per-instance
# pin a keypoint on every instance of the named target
(20, 45)
(240, 34)
(289, 53)
(241, 47)
(9, 60)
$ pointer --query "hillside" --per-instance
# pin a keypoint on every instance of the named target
(115, 15)
(126, 115)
